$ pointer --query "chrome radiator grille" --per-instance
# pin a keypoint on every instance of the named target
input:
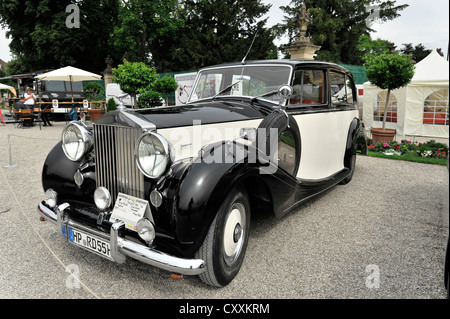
(115, 165)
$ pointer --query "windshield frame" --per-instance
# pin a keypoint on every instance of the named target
(237, 66)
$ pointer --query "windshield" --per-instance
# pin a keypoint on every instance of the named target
(251, 81)
(63, 86)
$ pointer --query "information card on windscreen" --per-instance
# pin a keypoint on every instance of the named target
(130, 210)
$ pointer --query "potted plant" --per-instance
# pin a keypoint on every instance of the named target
(94, 92)
(388, 72)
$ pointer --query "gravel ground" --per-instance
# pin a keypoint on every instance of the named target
(381, 236)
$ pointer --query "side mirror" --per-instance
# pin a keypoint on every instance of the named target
(285, 91)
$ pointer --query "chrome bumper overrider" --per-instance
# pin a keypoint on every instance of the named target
(121, 247)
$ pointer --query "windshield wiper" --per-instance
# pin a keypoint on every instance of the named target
(264, 95)
(225, 90)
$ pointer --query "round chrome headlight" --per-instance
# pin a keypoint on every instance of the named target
(153, 155)
(102, 198)
(76, 141)
(51, 198)
(146, 230)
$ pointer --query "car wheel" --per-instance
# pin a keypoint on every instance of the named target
(448, 286)
(224, 247)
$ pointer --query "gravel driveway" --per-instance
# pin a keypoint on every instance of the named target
(381, 236)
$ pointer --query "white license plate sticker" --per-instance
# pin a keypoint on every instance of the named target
(89, 242)
(130, 210)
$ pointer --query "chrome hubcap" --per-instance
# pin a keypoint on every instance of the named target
(234, 232)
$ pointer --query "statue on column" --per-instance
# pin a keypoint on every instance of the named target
(302, 48)
(107, 74)
(303, 21)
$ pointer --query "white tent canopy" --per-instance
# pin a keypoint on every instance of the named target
(420, 107)
(433, 70)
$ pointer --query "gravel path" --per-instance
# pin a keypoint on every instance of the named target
(381, 236)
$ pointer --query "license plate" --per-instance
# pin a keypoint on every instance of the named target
(90, 242)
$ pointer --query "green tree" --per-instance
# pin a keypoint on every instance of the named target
(418, 52)
(165, 85)
(40, 37)
(134, 78)
(223, 30)
(370, 48)
(213, 32)
(142, 23)
(390, 72)
(337, 25)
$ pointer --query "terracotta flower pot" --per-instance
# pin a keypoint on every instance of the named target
(95, 113)
(383, 136)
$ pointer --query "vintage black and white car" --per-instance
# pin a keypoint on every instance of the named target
(174, 187)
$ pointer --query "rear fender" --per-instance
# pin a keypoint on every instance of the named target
(356, 137)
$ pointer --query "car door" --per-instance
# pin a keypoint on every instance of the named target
(322, 104)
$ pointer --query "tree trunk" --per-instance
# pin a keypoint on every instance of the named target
(386, 108)
(134, 101)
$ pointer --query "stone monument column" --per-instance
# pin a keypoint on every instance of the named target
(107, 74)
(302, 48)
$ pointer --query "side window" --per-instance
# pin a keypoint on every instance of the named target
(309, 88)
(351, 90)
(338, 88)
(435, 108)
(208, 86)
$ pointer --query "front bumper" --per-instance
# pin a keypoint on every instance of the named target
(119, 246)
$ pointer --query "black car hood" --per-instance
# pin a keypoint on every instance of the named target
(178, 116)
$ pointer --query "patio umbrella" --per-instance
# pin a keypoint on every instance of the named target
(71, 74)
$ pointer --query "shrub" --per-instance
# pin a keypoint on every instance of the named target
(433, 149)
(94, 92)
(149, 99)
(111, 106)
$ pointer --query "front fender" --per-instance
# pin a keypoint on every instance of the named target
(58, 173)
(204, 186)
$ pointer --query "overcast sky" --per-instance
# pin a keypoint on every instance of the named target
(424, 21)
